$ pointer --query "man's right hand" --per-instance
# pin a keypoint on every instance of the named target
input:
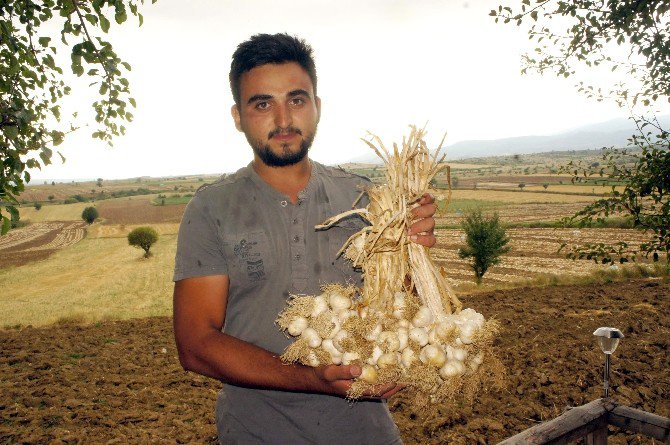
(337, 380)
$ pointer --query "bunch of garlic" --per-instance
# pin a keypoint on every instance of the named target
(328, 330)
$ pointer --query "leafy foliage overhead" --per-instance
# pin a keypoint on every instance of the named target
(644, 169)
(32, 83)
(632, 36)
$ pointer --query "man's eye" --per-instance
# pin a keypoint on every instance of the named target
(297, 101)
(262, 105)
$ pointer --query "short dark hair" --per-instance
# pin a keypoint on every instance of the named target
(262, 49)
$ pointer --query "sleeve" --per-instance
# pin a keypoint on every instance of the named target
(199, 248)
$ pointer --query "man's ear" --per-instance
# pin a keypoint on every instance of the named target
(235, 112)
(317, 100)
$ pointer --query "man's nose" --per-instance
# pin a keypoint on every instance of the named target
(283, 118)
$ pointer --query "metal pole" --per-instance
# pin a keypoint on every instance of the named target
(607, 375)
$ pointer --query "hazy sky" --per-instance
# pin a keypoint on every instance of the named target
(382, 65)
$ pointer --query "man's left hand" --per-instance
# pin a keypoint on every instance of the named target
(421, 231)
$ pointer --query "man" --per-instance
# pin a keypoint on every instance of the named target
(248, 241)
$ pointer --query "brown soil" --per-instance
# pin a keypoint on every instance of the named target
(139, 211)
(120, 382)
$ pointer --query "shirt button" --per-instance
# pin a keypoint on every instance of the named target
(296, 239)
(297, 257)
(283, 203)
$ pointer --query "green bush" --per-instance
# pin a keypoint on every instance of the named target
(70, 201)
(37, 205)
(89, 214)
(143, 237)
(486, 240)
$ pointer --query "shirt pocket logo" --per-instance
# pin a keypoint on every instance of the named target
(252, 255)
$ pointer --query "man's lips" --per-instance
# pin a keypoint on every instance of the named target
(284, 137)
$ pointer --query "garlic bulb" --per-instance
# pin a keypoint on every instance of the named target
(312, 337)
(433, 355)
(328, 346)
(459, 354)
(403, 338)
(376, 353)
(423, 317)
(337, 326)
(345, 314)
(389, 341)
(374, 333)
(452, 368)
(403, 324)
(388, 359)
(349, 357)
(298, 325)
(399, 305)
(320, 306)
(407, 357)
(339, 302)
(476, 361)
(419, 335)
(368, 374)
(312, 360)
(466, 333)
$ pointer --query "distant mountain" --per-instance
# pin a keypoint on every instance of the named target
(605, 134)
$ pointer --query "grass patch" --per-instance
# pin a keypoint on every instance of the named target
(463, 205)
(81, 284)
(611, 274)
(619, 222)
(172, 200)
(609, 223)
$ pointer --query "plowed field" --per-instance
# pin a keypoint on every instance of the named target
(533, 252)
(120, 382)
(138, 211)
(37, 241)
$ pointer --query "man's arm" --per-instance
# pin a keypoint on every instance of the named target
(199, 314)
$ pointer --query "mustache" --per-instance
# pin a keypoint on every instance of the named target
(287, 130)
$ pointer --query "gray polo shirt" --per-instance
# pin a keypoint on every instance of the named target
(243, 228)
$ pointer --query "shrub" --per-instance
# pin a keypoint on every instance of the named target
(143, 237)
(37, 205)
(89, 214)
(486, 240)
(69, 201)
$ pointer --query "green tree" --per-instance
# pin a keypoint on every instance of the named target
(143, 237)
(89, 214)
(485, 242)
(626, 36)
(521, 185)
(32, 84)
(645, 199)
(629, 37)
(37, 205)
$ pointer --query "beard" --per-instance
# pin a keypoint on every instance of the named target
(286, 157)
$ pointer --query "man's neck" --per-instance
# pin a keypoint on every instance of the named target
(289, 180)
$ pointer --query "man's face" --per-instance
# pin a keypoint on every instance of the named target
(278, 112)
